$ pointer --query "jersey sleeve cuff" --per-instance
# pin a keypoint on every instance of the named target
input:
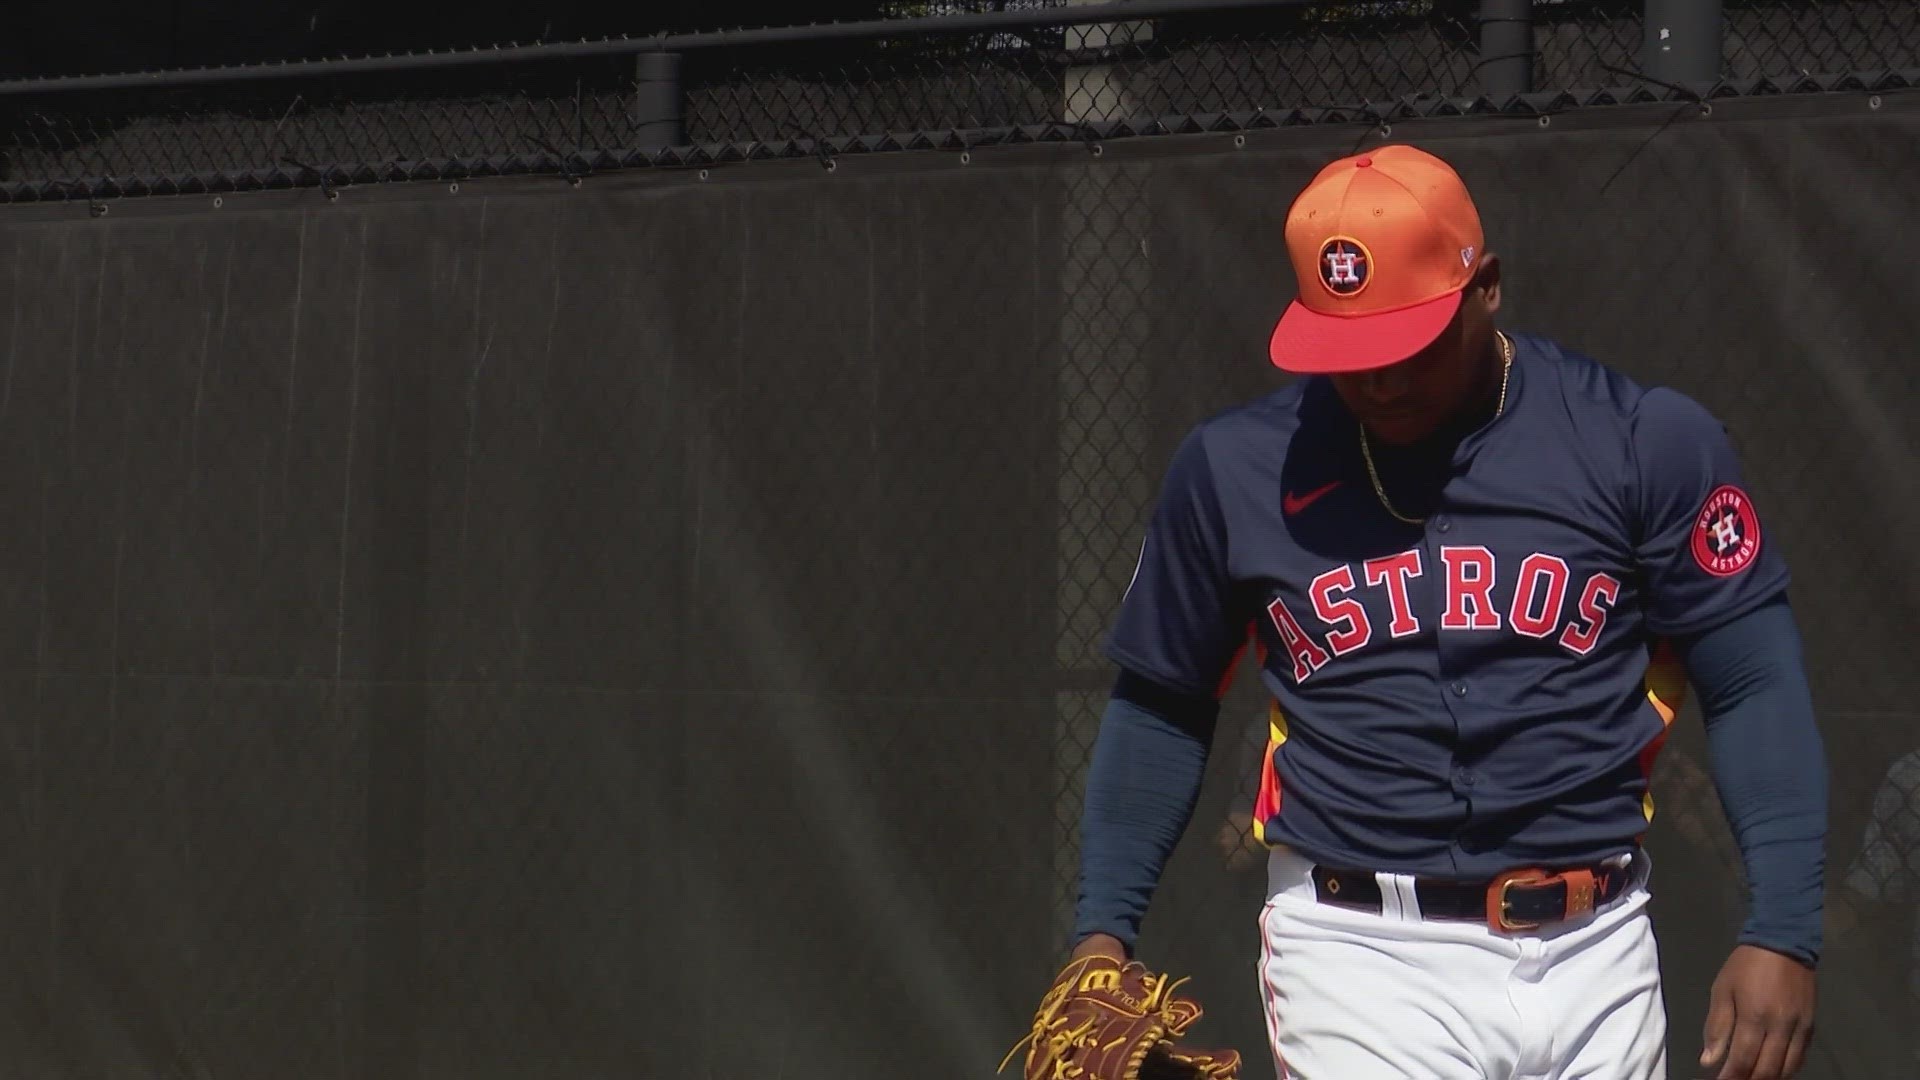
(1177, 683)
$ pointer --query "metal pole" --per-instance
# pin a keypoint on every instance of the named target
(1506, 46)
(1682, 41)
(657, 101)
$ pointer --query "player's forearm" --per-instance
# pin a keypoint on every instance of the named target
(1769, 764)
(1143, 782)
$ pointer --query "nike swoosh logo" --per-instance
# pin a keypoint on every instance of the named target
(1293, 504)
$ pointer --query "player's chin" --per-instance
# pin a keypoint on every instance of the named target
(1399, 426)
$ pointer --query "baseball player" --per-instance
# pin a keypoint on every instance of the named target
(1479, 570)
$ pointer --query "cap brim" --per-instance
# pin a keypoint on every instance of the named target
(1307, 342)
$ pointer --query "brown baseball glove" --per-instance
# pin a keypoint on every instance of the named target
(1104, 1019)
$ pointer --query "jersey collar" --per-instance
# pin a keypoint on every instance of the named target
(1456, 439)
(1523, 353)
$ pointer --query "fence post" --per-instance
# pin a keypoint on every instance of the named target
(1682, 40)
(1506, 46)
(657, 101)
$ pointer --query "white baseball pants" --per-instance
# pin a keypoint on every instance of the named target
(1351, 995)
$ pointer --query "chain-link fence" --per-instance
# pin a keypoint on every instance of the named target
(520, 602)
(1278, 65)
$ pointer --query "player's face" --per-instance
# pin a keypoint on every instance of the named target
(1409, 400)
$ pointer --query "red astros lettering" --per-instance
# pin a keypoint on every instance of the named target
(1349, 611)
(1393, 572)
(1307, 657)
(1469, 581)
(1582, 639)
(1539, 573)
(1537, 609)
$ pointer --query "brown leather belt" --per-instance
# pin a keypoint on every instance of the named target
(1514, 902)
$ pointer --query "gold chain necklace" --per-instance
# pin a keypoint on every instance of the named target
(1506, 370)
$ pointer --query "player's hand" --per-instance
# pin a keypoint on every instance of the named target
(1760, 1017)
(1100, 945)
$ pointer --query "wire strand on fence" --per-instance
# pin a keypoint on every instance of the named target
(968, 80)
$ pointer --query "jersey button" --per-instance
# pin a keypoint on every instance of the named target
(1459, 689)
(1442, 524)
(1465, 776)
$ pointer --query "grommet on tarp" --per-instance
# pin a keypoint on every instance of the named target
(822, 152)
(326, 186)
(1088, 135)
(567, 172)
(96, 208)
(1377, 126)
(1240, 141)
(1684, 93)
(1873, 102)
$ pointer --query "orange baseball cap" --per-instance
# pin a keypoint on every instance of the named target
(1382, 244)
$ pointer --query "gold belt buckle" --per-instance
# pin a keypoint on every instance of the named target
(1500, 905)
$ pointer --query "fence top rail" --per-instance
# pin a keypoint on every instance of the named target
(1108, 11)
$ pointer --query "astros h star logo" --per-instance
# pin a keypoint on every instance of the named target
(1726, 534)
(1346, 266)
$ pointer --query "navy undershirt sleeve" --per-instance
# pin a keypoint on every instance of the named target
(1769, 764)
(1142, 785)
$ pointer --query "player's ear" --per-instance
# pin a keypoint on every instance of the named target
(1486, 280)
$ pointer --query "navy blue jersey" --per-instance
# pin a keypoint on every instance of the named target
(1486, 689)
